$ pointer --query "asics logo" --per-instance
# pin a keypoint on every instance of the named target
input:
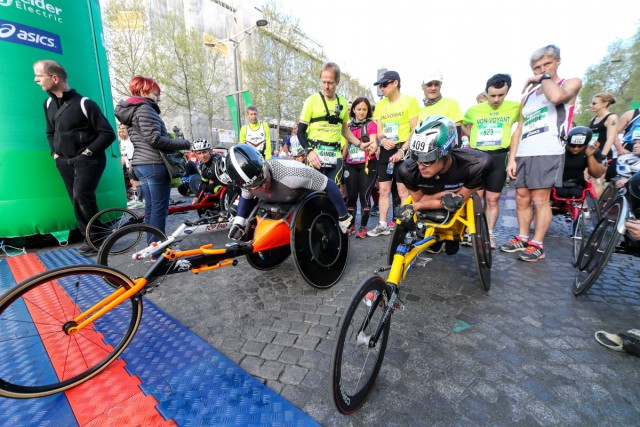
(7, 30)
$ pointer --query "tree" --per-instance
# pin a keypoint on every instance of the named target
(127, 36)
(618, 73)
(280, 70)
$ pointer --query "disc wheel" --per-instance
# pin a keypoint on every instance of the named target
(116, 251)
(105, 222)
(597, 250)
(40, 354)
(355, 364)
(482, 244)
(269, 259)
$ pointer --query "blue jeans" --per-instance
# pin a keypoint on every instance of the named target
(156, 187)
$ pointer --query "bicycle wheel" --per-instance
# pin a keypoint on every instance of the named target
(596, 252)
(116, 251)
(105, 222)
(38, 357)
(355, 365)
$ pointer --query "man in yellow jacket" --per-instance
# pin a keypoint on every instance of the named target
(256, 133)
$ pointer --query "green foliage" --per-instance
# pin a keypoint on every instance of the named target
(618, 73)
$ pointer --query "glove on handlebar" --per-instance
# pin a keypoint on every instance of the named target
(236, 232)
(451, 202)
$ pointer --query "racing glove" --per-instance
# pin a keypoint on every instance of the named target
(237, 229)
(451, 202)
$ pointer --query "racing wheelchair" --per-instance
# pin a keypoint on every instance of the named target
(364, 329)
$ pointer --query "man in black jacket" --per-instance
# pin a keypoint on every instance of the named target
(78, 135)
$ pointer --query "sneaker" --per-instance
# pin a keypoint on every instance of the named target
(514, 245)
(391, 224)
(533, 253)
(380, 229)
(351, 230)
(436, 248)
(466, 240)
(345, 222)
(492, 240)
(361, 233)
(87, 250)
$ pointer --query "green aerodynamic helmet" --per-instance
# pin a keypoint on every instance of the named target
(432, 140)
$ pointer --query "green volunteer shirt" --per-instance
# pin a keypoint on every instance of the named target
(491, 128)
(446, 107)
(323, 130)
(396, 117)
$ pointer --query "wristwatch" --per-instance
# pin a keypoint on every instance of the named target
(87, 152)
(544, 77)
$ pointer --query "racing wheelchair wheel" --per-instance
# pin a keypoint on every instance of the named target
(320, 249)
(107, 221)
(597, 250)
(481, 243)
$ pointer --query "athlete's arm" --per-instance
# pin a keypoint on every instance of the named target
(559, 94)
(595, 168)
(423, 201)
(349, 136)
(612, 126)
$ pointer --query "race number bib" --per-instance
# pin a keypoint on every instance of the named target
(489, 135)
(356, 155)
(391, 130)
(536, 123)
(328, 155)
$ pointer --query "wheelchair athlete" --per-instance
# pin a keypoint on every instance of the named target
(276, 181)
(439, 176)
(579, 156)
(211, 167)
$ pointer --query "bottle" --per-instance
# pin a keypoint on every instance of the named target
(390, 168)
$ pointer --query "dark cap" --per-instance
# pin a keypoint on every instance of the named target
(387, 77)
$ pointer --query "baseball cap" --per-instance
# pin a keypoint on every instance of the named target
(387, 77)
(433, 76)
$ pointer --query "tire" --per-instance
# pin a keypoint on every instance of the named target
(594, 210)
(229, 199)
(481, 242)
(578, 236)
(595, 254)
(355, 366)
(105, 222)
(116, 251)
(38, 357)
(269, 259)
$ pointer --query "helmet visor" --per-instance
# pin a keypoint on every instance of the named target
(426, 158)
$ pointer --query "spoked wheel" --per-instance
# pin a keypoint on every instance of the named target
(105, 222)
(597, 250)
(116, 251)
(41, 352)
(482, 244)
(578, 236)
(355, 364)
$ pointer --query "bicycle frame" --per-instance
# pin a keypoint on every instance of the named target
(269, 234)
(407, 252)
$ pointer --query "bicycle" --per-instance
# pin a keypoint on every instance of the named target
(69, 324)
(363, 331)
(105, 222)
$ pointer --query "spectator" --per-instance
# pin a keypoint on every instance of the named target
(536, 156)
(78, 135)
(141, 114)
(605, 133)
(292, 143)
(256, 133)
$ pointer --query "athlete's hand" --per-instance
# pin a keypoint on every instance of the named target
(532, 82)
(387, 143)
(397, 157)
(633, 228)
(314, 159)
(511, 169)
(406, 212)
(236, 232)
(451, 202)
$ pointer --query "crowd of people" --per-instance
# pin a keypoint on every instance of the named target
(366, 153)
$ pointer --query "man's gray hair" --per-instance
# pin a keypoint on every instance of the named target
(549, 50)
(332, 66)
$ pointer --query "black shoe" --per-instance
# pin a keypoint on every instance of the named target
(87, 250)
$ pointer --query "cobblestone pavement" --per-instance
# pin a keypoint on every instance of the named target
(526, 357)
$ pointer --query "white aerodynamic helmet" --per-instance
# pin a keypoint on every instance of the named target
(628, 165)
(201, 144)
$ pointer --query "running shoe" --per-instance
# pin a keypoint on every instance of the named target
(391, 224)
(381, 229)
(533, 253)
(362, 233)
(514, 245)
(492, 240)
(351, 230)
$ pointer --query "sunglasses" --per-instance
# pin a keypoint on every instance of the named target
(385, 84)
(426, 159)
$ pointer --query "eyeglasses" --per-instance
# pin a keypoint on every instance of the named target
(385, 84)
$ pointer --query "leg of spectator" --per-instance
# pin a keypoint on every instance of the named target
(524, 210)
(491, 209)
(384, 189)
(543, 216)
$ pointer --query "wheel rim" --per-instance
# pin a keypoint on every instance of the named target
(38, 357)
(106, 222)
(324, 241)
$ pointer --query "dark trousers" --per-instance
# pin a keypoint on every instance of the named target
(81, 175)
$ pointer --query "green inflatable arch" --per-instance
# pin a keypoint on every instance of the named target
(33, 199)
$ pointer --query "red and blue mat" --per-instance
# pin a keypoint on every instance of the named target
(167, 376)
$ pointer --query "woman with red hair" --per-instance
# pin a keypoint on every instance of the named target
(148, 133)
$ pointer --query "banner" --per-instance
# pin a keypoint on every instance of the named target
(233, 110)
(33, 198)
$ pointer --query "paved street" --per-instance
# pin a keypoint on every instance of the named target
(522, 354)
